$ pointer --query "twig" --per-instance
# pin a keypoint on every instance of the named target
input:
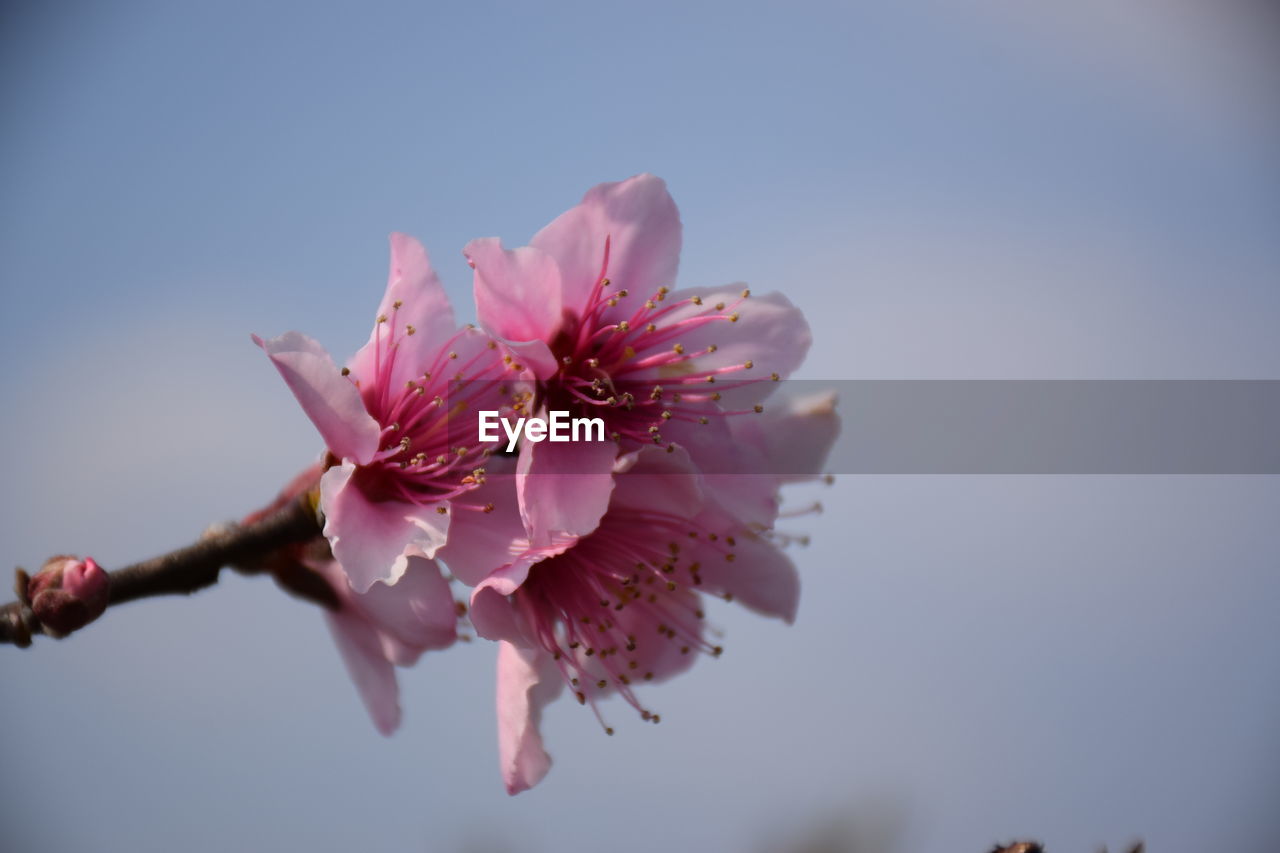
(188, 569)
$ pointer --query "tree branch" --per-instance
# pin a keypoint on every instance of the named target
(188, 569)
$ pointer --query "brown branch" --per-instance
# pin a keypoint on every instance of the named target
(188, 569)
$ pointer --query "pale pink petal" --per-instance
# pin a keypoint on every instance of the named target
(482, 542)
(415, 615)
(373, 540)
(564, 487)
(642, 225)
(760, 576)
(527, 681)
(423, 306)
(657, 656)
(534, 355)
(477, 378)
(331, 400)
(770, 333)
(735, 473)
(797, 434)
(495, 617)
(517, 291)
(494, 545)
(374, 676)
(652, 478)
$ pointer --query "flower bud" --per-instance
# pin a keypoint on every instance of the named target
(68, 593)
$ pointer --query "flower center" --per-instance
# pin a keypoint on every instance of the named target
(633, 369)
(429, 450)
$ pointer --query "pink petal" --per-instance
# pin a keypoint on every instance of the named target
(423, 305)
(735, 472)
(415, 615)
(517, 291)
(760, 577)
(331, 400)
(770, 332)
(481, 542)
(652, 478)
(656, 656)
(527, 681)
(494, 546)
(534, 355)
(642, 225)
(373, 541)
(797, 434)
(495, 617)
(564, 488)
(374, 676)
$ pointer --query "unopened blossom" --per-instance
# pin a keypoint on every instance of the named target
(399, 421)
(612, 610)
(589, 306)
(68, 593)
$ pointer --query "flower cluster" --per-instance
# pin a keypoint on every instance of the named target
(588, 563)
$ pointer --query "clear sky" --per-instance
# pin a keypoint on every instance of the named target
(979, 190)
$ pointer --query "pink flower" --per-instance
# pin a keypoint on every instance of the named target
(399, 421)
(612, 609)
(589, 306)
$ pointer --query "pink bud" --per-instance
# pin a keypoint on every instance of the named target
(68, 593)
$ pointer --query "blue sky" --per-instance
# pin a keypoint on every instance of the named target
(986, 191)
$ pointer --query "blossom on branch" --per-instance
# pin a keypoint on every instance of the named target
(399, 421)
(589, 306)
